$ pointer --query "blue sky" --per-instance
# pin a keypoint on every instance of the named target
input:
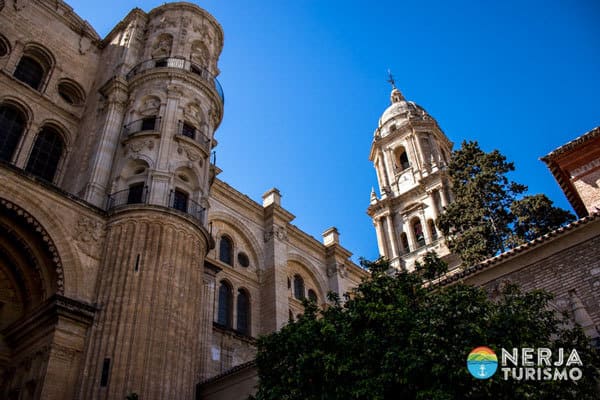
(305, 83)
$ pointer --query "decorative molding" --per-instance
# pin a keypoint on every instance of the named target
(30, 220)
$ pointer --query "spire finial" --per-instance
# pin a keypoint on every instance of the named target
(391, 79)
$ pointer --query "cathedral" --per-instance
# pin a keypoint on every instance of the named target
(128, 267)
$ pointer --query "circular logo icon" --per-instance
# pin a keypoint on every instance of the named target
(482, 362)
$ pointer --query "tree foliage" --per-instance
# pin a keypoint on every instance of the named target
(394, 339)
(431, 266)
(486, 216)
(535, 216)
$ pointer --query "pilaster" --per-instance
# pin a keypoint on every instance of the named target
(274, 312)
(116, 93)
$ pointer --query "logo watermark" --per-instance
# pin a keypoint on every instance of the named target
(527, 364)
(482, 362)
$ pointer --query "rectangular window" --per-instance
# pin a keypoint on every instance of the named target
(148, 124)
(180, 200)
(136, 193)
(105, 371)
(163, 62)
(188, 130)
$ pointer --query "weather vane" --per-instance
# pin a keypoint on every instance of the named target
(391, 79)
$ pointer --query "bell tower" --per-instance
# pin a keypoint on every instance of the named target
(410, 154)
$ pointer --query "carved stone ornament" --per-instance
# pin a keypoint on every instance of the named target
(84, 45)
(87, 230)
(20, 4)
(279, 232)
(162, 46)
(342, 271)
(165, 23)
(331, 270)
(193, 113)
(87, 235)
(138, 145)
(190, 153)
(118, 98)
(150, 106)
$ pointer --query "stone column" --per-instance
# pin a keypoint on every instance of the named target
(419, 156)
(393, 244)
(208, 299)
(116, 91)
(25, 145)
(412, 240)
(150, 300)
(380, 237)
(444, 195)
(383, 168)
(425, 226)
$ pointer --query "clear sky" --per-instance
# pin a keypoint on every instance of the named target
(305, 83)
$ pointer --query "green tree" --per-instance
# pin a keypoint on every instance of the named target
(536, 216)
(486, 217)
(394, 339)
(431, 266)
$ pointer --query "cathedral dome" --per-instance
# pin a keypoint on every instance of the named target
(401, 107)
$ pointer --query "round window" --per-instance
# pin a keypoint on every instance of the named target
(71, 93)
(243, 259)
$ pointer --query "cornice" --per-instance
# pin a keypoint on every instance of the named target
(298, 238)
(70, 18)
(195, 9)
(573, 144)
(226, 194)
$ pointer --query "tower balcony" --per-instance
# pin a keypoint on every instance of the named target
(148, 124)
(139, 195)
(178, 63)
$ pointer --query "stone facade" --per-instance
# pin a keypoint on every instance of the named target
(126, 266)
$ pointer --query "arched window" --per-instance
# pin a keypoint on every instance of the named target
(298, 287)
(12, 125)
(401, 158)
(225, 304)
(30, 72)
(312, 295)
(243, 312)
(418, 232)
(46, 153)
(34, 66)
(226, 250)
(404, 241)
(432, 229)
